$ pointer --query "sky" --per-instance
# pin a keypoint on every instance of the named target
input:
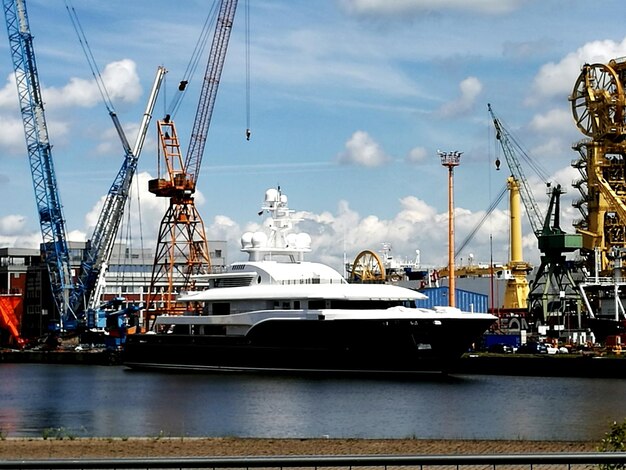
(348, 103)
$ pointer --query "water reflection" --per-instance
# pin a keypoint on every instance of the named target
(111, 401)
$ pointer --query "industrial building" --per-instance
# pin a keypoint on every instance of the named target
(23, 277)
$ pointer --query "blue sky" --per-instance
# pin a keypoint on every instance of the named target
(350, 101)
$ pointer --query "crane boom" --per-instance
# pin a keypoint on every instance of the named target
(51, 219)
(100, 246)
(532, 210)
(210, 85)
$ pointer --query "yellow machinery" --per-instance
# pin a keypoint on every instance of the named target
(368, 267)
(598, 105)
(516, 293)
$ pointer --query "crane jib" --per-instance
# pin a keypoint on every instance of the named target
(210, 86)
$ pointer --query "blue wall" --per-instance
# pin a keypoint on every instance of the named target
(465, 300)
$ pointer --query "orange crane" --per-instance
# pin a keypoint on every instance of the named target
(182, 248)
(9, 316)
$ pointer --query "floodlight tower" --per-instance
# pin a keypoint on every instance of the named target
(451, 160)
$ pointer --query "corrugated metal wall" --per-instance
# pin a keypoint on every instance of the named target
(465, 300)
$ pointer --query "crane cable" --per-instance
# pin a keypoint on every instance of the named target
(84, 44)
(194, 60)
(95, 71)
(491, 208)
(247, 11)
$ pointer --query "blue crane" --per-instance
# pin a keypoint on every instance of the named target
(73, 297)
(49, 208)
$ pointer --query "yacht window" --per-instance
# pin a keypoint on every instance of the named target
(221, 308)
(286, 305)
(317, 304)
(296, 304)
(181, 329)
(364, 304)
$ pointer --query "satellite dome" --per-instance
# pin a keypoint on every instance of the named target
(271, 195)
(259, 239)
(292, 240)
(303, 240)
(246, 240)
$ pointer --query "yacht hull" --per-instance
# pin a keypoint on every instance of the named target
(370, 346)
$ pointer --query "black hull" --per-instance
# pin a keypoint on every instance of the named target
(373, 346)
(604, 327)
(543, 365)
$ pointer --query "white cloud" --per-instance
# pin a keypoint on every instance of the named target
(12, 135)
(347, 59)
(417, 155)
(415, 226)
(12, 224)
(120, 79)
(362, 150)
(76, 236)
(402, 8)
(27, 240)
(551, 148)
(470, 89)
(15, 233)
(558, 79)
(122, 84)
(8, 94)
(554, 120)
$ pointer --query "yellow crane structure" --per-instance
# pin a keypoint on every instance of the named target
(517, 288)
(599, 107)
(515, 270)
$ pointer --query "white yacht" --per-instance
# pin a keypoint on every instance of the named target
(277, 312)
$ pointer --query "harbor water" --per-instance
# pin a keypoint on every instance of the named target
(111, 401)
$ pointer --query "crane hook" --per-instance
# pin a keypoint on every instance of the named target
(248, 134)
(497, 164)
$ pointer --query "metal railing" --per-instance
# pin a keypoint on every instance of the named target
(614, 460)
